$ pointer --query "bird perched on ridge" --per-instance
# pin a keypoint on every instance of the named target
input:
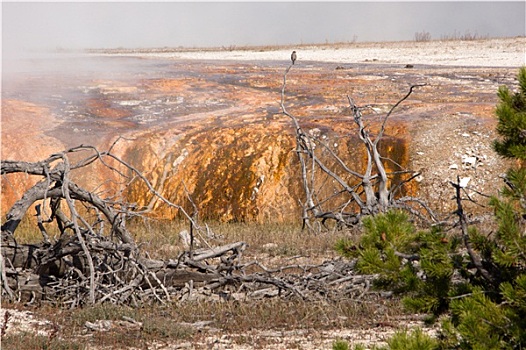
(293, 57)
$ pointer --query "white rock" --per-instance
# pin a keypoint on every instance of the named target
(327, 268)
(471, 161)
(464, 181)
(130, 103)
(315, 132)
(453, 166)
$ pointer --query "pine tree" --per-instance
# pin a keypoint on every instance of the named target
(434, 273)
(511, 113)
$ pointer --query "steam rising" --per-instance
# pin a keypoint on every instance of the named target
(33, 33)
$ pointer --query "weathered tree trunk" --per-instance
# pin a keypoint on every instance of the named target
(373, 194)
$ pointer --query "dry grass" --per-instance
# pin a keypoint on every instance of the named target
(27, 231)
(169, 324)
(30, 341)
(467, 36)
(272, 244)
(161, 239)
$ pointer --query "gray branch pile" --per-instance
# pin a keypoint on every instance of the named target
(94, 258)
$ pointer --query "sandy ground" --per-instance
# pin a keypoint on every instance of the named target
(27, 321)
(500, 52)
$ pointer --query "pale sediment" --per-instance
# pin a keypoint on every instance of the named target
(499, 52)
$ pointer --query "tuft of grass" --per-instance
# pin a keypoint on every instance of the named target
(340, 345)
(289, 239)
(467, 36)
(422, 36)
(27, 231)
(100, 312)
(158, 328)
(32, 341)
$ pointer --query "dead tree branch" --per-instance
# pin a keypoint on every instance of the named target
(475, 259)
(95, 259)
(369, 192)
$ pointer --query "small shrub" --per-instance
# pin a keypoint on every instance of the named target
(422, 36)
(415, 340)
(467, 36)
(340, 345)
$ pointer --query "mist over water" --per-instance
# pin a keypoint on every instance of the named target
(51, 38)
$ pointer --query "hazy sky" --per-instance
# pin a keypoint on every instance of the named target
(50, 25)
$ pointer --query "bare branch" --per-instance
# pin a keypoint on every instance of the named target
(382, 129)
(475, 259)
(372, 194)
